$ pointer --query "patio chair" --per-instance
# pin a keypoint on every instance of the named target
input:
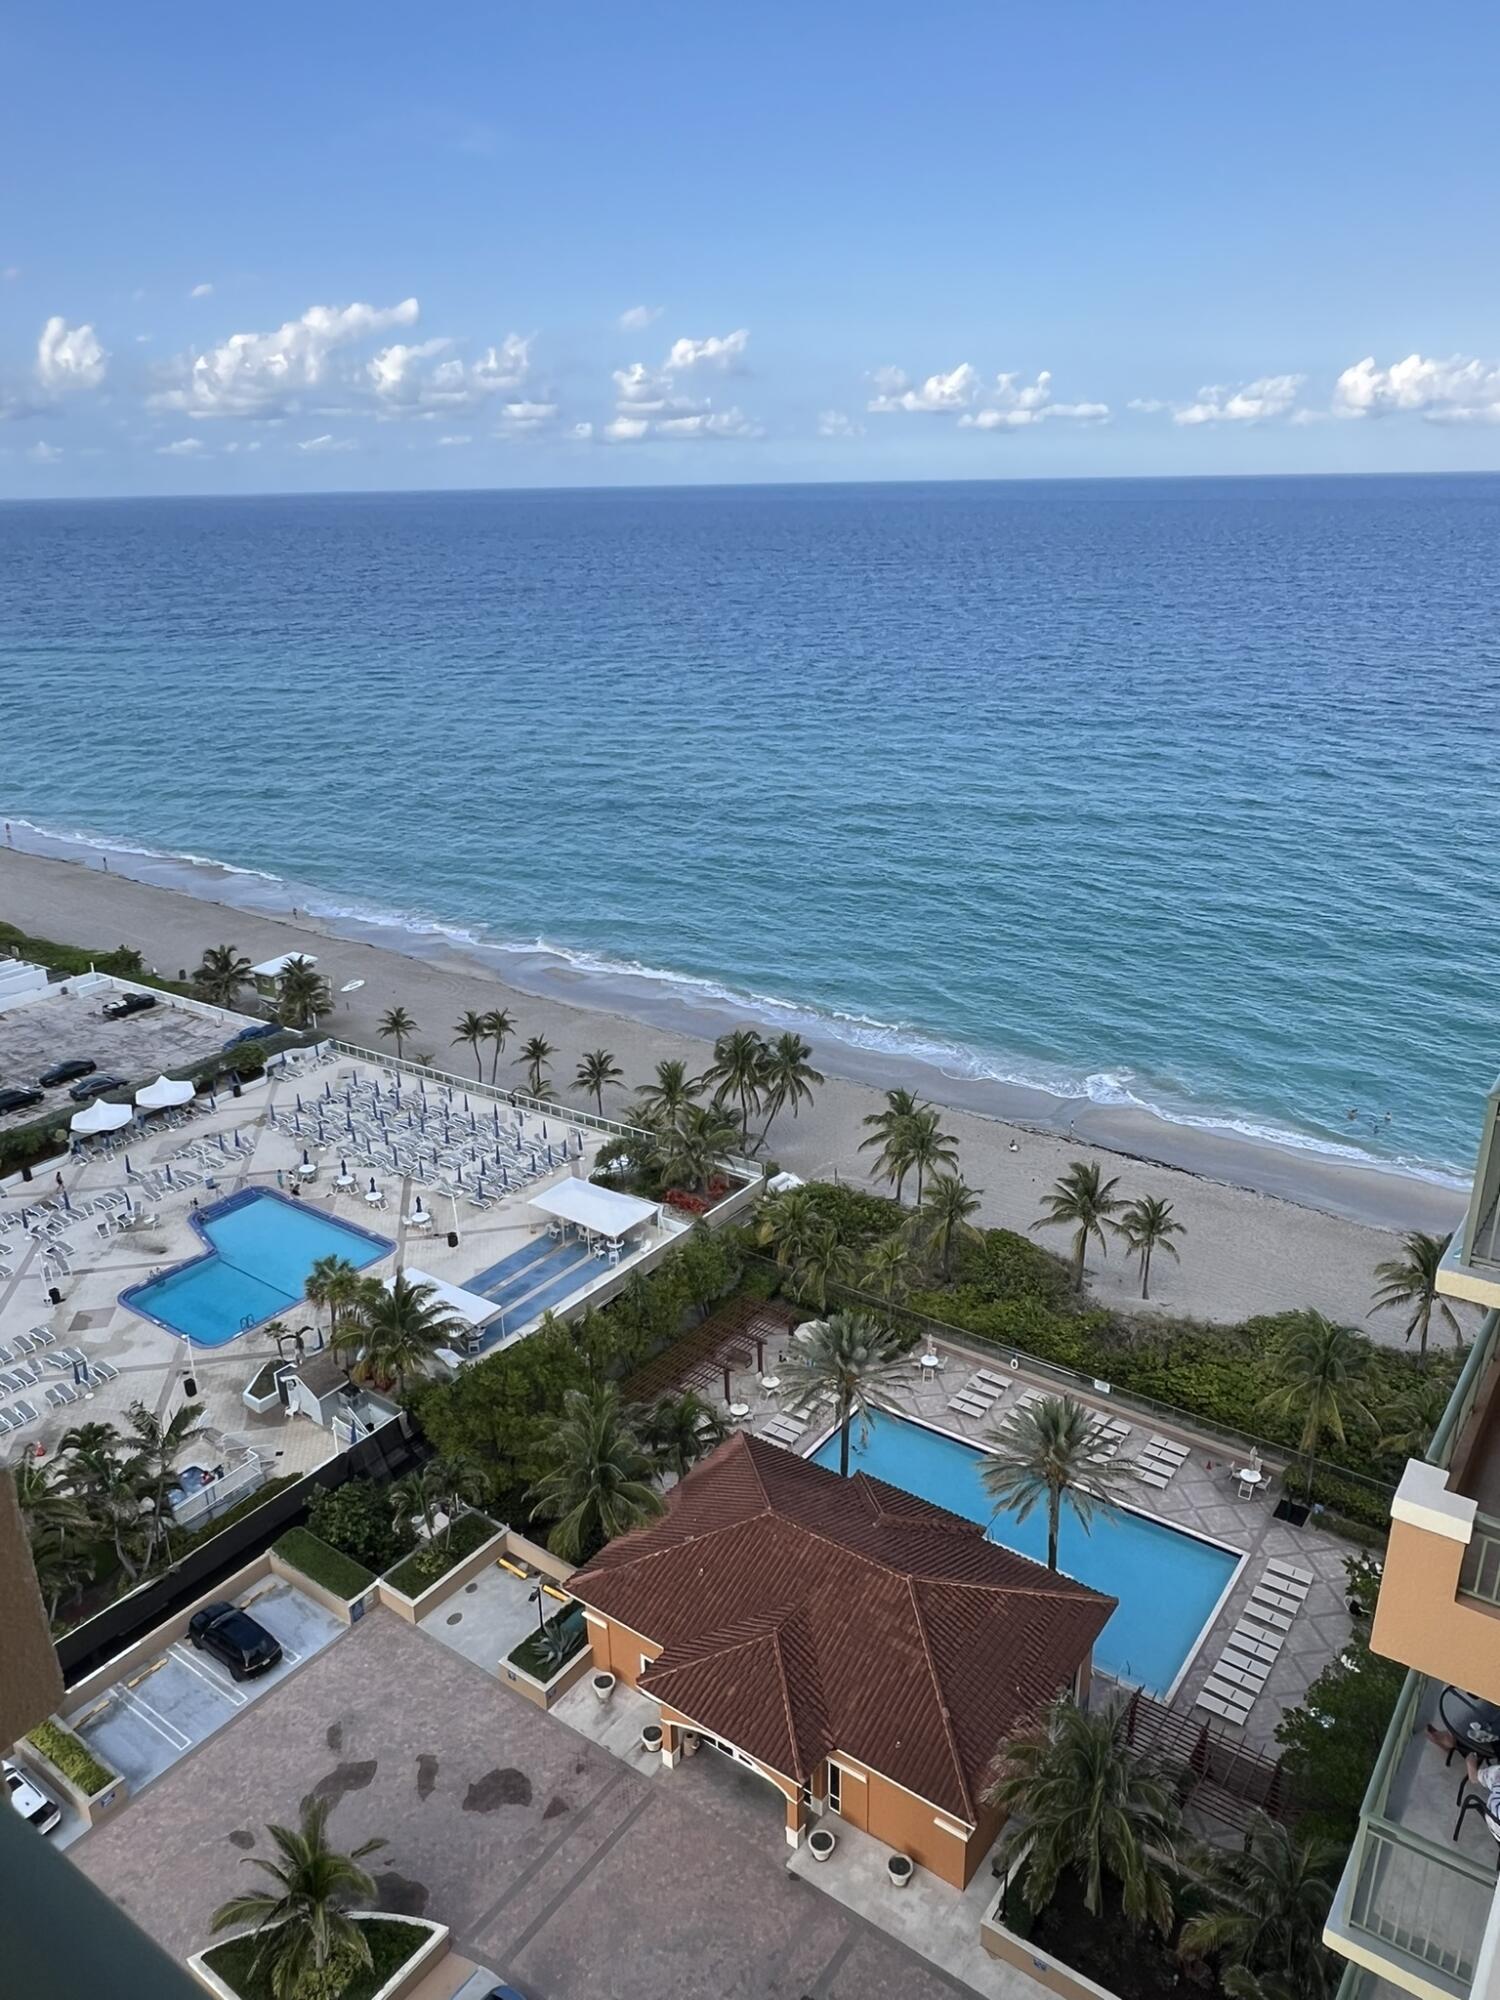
(6, 1426)
(1276, 1567)
(23, 1412)
(1263, 1614)
(1221, 1708)
(1257, 1640)
(1485, 1804)
(1255, 1672)
(43, 1336)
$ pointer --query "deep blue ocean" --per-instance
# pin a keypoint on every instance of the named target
(1180, 792)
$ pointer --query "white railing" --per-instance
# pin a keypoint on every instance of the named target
(520, 1100)
(220, 1494)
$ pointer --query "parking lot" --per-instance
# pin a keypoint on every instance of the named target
(568, 1872)
(67, 1025)
(142, 1724)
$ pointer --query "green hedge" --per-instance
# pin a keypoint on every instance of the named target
(72, 1757)
(337, 1572)
(391, 1942)
(534, 1656)
(421, 1571)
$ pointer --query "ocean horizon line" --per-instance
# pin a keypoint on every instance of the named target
(535, 965)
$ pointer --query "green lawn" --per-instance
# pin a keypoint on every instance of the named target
(337, 1572)
(421, 1570)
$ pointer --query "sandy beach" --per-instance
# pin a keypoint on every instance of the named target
(1303, 1231)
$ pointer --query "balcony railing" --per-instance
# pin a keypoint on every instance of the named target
(1413, 1902)
(1480, 1576)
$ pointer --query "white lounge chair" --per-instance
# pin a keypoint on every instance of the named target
(1276, 1567)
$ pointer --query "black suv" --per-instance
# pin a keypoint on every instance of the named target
(94, 1085)
(234, 1637)
(19, 1100)
(128, 1004)
(66, 1072)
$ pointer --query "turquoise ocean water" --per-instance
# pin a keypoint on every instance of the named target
(1171, 793)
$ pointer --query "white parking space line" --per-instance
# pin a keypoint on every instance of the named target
(220, 1683)
(154, 1719)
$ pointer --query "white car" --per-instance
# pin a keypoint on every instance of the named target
(32, 1804)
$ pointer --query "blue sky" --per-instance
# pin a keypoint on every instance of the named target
(325, 247)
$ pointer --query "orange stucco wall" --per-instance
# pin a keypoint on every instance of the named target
(910, 1825)
(1421, 1621)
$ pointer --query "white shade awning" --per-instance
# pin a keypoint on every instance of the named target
(272, 968)
(100, 1116)
(603, 1210)
(473, 1307)
(166, 1091)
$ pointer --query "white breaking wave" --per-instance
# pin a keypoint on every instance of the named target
(902, 1040)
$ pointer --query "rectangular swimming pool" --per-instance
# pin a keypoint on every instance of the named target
(1169, 1584)
(261, 1248)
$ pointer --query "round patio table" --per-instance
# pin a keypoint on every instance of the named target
(738, 1410)
(1473, 1721)
(770, 1381)
(929, 1363)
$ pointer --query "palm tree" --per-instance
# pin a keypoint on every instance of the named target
(1044, 1452)
(596, 1072)
(62, 1568)
(689, 1149)
(399, 1328)
(47, 1506)
(499, 1026)
(1268, 1902)
(942, 1222)
(334, 1284)
(786, 1077)
(470, 1028)
(1147, 1224)
(927, 1148)
(154, 1448)
(680, 1430)
(824, 1259)
(1410, 1282)
(1092, 1806)
(1319, 1369)
(670, 1092)
(887, 1272)
(786, 1223)
(302, 993)
(1415, 1416)
(222, 973)
(891, 1133)
(102, 1478)
(597, 1480)
(851, 1358)
(304, 1923)
(1084, 1202)
(737, 1071)
(441, 1485)
(396, 1026)
(535, 1057)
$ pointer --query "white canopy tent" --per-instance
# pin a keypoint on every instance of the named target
(472, 1307)
(100, 1116)
(163, 1094)
(272, 968)
(602, 1210)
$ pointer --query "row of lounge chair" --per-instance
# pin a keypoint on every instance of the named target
(1160, 1461)
(1252, 1649)
(979, 1394)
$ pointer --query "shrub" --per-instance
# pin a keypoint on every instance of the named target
(355, 1519)
(859, 1217)
(1003, 1265)
(72, 1757)
(324, 1564)
(420, 1571)
(547, 1651)
(391, 1944)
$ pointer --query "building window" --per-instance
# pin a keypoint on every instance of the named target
(835, 1788)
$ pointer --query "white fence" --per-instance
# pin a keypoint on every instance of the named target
(220, 1494)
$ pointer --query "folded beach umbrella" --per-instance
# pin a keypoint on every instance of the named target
(306, 1157)
(373, 1188)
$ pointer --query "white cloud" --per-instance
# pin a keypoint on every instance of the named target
(526, 416)
(1455, 391)
(1252, 403)
(69, 357)
(582, 432)
(201, 292)
(731, 423)
(635, 319)
(241, 445)
(183, 448)
(42, 453)
(1148, 405)
(458, 438)
(625, 430)
(954, 391)
(265, 374)
(726, 353)
(643, 385)
(408, 379)
(1007, 404)
(327, 442)
(838, 424)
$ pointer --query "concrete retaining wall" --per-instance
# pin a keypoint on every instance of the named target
(542, 1694)
(411, 1975)
(414, 1608)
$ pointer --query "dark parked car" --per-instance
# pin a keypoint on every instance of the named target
(19, 1100)
(95, 1085)
(262, 1031)
(233, 1636)
(128, 1004)
(66, 1072)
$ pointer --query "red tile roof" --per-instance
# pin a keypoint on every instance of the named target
(800, 1613)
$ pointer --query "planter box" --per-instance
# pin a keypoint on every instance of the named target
(542, 1694)
(413, 1608)
(90, 1809)
(401, 1982)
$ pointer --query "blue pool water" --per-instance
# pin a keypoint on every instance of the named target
(261, 1248)
(1168, 1583)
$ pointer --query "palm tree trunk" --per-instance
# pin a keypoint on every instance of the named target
(1054, 1513)
(398, 1048)
(599, 1098)
(846, 1419)
(1146, 1272)
(1080, 1248)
